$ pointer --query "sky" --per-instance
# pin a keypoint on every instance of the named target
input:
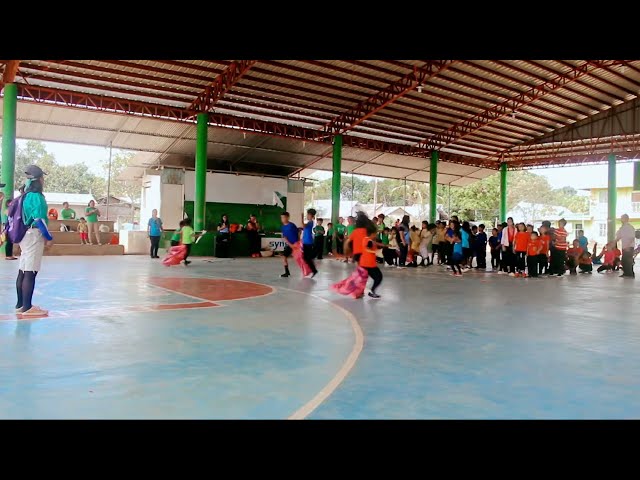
(558, 177)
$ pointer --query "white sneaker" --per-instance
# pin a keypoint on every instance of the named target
(512, 274)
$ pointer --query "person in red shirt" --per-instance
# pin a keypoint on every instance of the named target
(368, 260)
(559, 249)
(543, 257)
(534, 247)
(584, 262)
(611, 260)
(521, 240)
(573, 256)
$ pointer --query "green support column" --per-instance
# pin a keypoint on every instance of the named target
(335, 180)
(503, 192)
(433, 187)
(613, 197)
(199, 206)
(10, 100)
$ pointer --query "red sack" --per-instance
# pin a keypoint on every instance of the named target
(354, 285)
(297, 255)
(175, 255)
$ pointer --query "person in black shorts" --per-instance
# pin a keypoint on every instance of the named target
(290, 237)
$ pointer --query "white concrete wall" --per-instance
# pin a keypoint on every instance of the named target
(151, 198)
(172, 205)
(230, 188)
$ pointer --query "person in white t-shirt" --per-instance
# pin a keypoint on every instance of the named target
(627, 235)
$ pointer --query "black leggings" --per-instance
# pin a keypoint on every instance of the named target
(8, 247)
(376, 275)
(155, 244)
(509, 260)
(495, 258)
(404, 251)
(318, 244)
(308, 253)
(25, 285)
(188, 245)
(521, 261)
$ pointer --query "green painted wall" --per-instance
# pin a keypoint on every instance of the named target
(268, 215)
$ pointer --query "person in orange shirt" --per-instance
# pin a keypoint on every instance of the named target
(357, 235)
(559, 248)
(534, 247)
(368, 260)
(611, 260)
(543, 257)
(520, 243)
(573, 255)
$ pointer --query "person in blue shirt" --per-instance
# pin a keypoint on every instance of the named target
(154, 231)
(308, 250)
(465, 236)
(457, 255)
(290, 236)
(481, 248)
(584, 241)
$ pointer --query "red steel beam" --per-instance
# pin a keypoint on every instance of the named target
(221, 85)
(576, 159)
(101, 103)
(462, 129)
(10, 71)
(610, 95)
(369, 107)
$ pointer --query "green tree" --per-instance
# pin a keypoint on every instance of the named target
(119, 188)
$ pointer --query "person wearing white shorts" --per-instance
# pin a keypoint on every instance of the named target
(34, 206)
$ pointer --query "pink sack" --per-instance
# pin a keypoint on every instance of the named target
(354, 285)
(175, 255)
(297, 255)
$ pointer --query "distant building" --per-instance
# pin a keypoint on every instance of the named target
(628, 201)
(121, 209)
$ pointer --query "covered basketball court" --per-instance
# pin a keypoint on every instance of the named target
(230, 339)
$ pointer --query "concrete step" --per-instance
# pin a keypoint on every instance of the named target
(73, 238)
(80, 250)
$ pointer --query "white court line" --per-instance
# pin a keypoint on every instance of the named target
(339, 377)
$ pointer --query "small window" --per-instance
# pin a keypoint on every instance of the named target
(635, 197)
(602, 229)
(578, 226)
(603, 196)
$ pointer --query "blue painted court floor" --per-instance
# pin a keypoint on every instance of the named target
(130, 338)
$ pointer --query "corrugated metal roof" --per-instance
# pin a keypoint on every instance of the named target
(313, 93)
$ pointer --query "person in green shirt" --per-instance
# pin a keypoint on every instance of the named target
(318, 238)
(330, 232)
(32, 245)
(381, 225)
(92, 214)
(67, 213)
(188, 236)
(175, 238)
(351, 226)
(340, 230)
